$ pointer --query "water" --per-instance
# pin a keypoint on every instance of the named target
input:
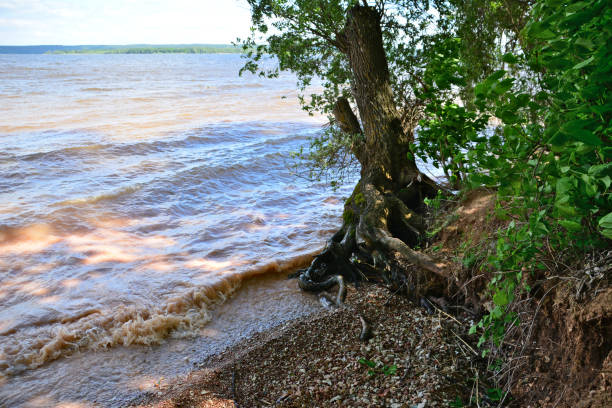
(137, 193)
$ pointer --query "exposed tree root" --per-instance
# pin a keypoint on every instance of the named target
(379, 228)
(376, 227)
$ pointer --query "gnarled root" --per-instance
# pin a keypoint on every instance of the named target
(311, 286)
(379, 228)
(374, 227)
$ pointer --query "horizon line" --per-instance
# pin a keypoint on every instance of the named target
(106, 45)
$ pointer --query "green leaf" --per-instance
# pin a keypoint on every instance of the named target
(502, 87)
(567, 210)
(585, 42)
(501, 299)
(510, 58)
(606, 221)
(584, 63)
(600, 169)
(575, 20)
(481, 341)
(577, 6)
(601, 109)
(575, 125)
(457, 403)
(496, 75)
(607, 233)
(571, 225)
(483, 88)
(368, 363)
(522, 100)
(564, 185)
(390, 370)
(540, 31)
(495, 394)
(558, 139)
(497, 312)
(587, 137)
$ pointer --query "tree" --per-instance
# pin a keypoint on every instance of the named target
(343, 42)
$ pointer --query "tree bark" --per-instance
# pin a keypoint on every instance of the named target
(386, 160)
(383, 216)
(386, 144)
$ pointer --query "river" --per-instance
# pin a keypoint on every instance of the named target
(137, 194)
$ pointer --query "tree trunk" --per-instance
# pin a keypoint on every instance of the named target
(383, 216)
(386, 144)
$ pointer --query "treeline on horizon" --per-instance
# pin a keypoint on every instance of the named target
(122, 49)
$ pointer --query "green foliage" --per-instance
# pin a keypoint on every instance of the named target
(303, 40)
(549, 157)
(447, 128)
(328, 157)
(436, 202)
(377, 367)
(303, 36)
(495, 394)
(561, 156)
(456, 403)
(536, 127)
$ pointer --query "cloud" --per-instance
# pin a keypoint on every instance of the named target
(18, 23)
(122, 21)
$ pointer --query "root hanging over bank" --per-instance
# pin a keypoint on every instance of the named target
(379, 228)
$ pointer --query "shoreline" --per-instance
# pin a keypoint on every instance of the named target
(124, 373)
(414, 359)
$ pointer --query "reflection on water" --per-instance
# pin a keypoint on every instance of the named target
(136, 192)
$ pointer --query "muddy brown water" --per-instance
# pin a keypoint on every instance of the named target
(137, 195)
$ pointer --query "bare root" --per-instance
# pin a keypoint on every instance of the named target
(381, 228)
(373, 227)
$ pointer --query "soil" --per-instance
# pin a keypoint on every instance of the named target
(560, 355)
(570, 359)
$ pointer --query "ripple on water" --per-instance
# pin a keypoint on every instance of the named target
(130, 210)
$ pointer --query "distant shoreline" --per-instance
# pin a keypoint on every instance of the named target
(190, 50)
(123, 49)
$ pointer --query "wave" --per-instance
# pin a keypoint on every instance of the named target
(94, 89)
(63, 153)
(95, 329)
(236, 86)
(223, 176)
(218, 135)
(100, 197)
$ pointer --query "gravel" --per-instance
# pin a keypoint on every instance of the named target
(414, 359)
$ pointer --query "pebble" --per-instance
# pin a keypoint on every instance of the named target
(321, 367)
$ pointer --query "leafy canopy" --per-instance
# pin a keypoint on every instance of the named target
(303, 36)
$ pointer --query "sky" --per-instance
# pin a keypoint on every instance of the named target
(76, 22)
